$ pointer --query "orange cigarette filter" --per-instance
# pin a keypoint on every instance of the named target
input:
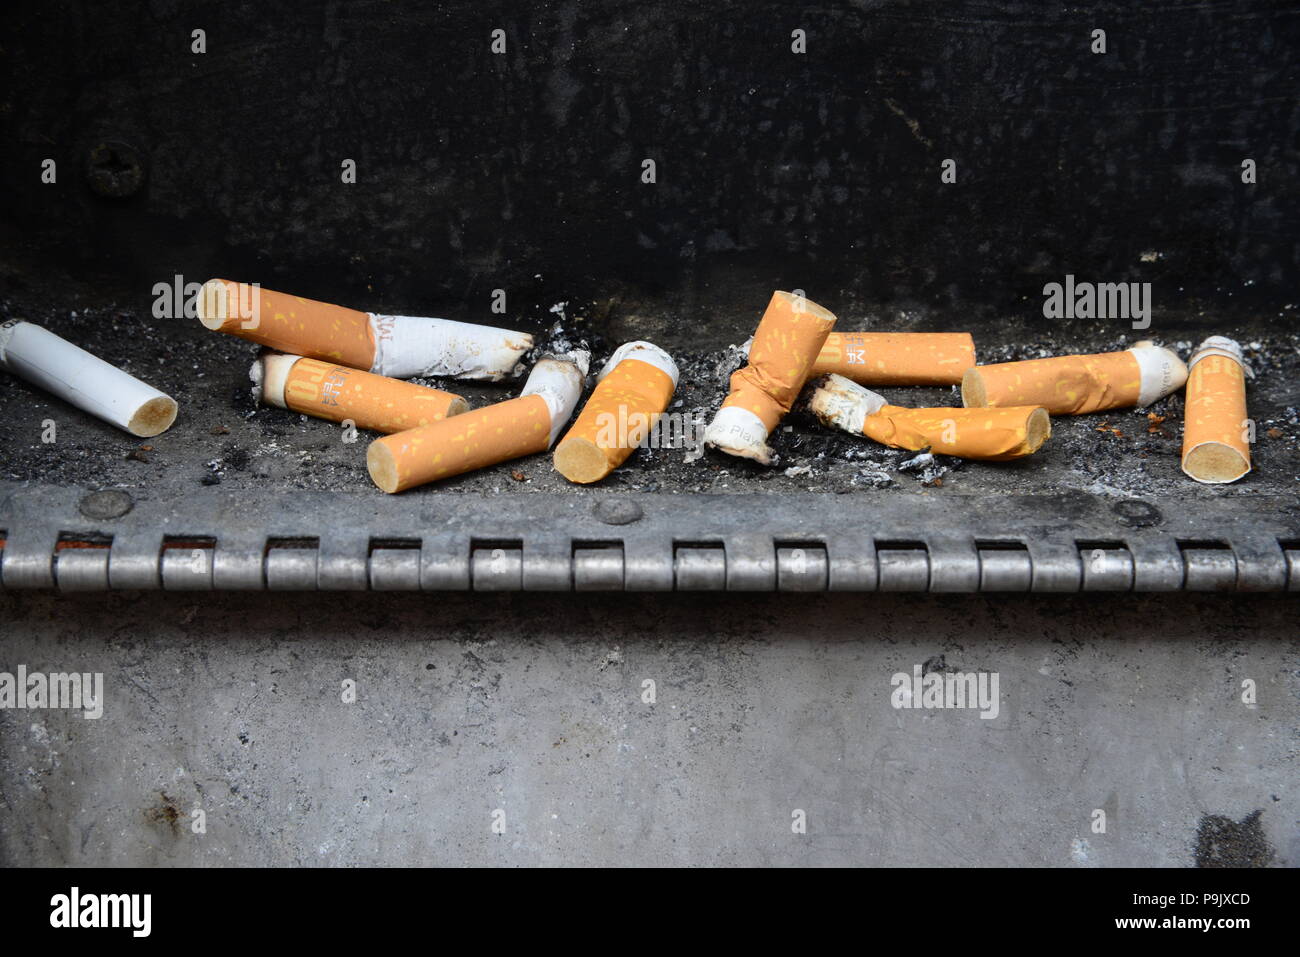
(337, 393)
(634, 389)
(483, 437)
(897, 358)
(289, 324)
(1215, 429)
(992, 434)
(1077, 385)
(789, 337)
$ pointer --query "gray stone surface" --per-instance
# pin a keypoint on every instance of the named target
(533, 705)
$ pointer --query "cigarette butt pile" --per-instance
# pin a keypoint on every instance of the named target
(348, 366)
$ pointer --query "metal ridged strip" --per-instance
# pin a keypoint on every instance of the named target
(717, 543)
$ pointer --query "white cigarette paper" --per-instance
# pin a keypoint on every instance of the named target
(88, 382)
(409, 346)
(843, 404)
(559, 381)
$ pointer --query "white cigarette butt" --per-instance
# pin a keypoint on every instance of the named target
(88, 382)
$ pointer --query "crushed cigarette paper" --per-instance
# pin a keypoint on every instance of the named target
(88, 382)
(400, 347)
(789, 337)
(1215, 430)
(1077, 385)
(486, 436)
(897, 358)
(338, 393)
(993, 434)
(633, 390)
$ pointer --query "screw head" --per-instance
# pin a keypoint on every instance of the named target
(617, 511)
(114, 170)
(110, 503)
(1136, 513)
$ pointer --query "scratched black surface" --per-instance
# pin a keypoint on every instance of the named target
(479, 171)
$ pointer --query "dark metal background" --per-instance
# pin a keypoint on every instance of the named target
(478, 171)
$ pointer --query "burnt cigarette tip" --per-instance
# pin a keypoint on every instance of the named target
(269, 373)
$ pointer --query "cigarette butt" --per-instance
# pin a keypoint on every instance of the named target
(486, 436)
(88, 382)
(337, 393)
(1215, 449)
(1077, 385)
(789, 337)
(897, 358)
(400, 347)
(634, 389)
(993, 434)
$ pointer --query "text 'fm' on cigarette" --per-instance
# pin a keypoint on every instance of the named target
(482, 437)
(401, 347)
(633, 390)
(1216, 430)
(995, 434)
(84, 380)
(788, 339)
(1077, 385)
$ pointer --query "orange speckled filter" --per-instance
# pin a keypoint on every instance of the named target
(286, 323)
(789, 337)
(337, 393)
(1077, 385)
(1064, 385)
(1215, 449)
(994, 434)
(463, 443)
(617, 418)
(897, 358)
